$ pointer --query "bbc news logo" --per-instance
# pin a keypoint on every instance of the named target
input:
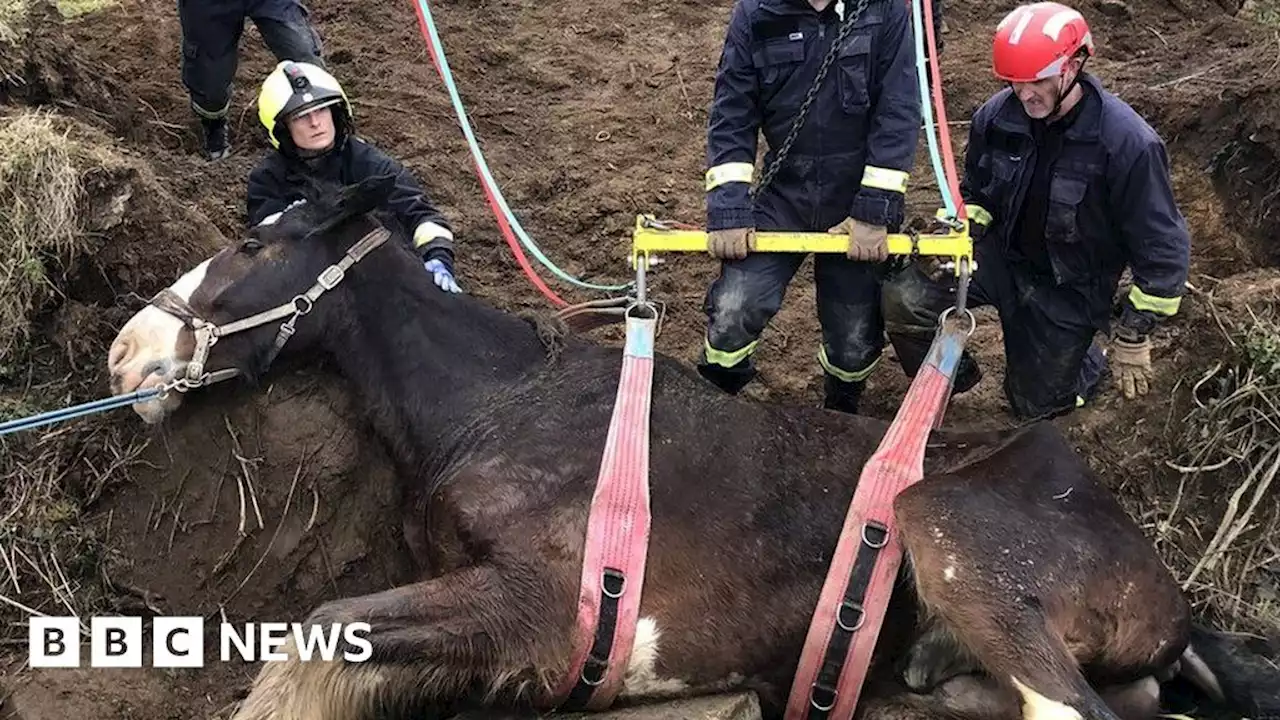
(178, 642)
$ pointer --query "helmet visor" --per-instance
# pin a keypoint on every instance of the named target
(308, 108)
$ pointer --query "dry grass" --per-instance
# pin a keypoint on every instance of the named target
(50, 559)
(76, 8)
(40, 201)
(1222, 524)
(13, 15)
(1266, 12)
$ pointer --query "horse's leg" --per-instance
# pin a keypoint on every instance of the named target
(1139, 700)
(1006, 631)
(935, 657)
(476, 630)
(974, 696)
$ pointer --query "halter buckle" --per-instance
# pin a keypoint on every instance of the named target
(331, 276)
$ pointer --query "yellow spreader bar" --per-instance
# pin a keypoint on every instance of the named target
(652, 236)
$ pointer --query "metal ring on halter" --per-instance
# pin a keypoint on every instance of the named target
(973, 322)
(301, 305)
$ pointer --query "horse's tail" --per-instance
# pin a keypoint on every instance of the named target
(1241, 672)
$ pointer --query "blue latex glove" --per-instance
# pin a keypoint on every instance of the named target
(441, 274)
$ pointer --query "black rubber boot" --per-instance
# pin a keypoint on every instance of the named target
(216, 143)
(968, 374)
(842, 396)
(732, 379)
(913, 351)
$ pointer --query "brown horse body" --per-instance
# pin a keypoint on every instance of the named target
(1029, 590)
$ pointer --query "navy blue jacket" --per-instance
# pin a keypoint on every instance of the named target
(1110, 202)
(859, 140)
(278, 181)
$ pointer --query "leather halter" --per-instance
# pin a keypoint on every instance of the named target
(207, 333)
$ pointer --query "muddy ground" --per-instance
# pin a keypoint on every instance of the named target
(589, 112)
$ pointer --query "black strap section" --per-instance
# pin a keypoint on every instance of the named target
(849, 618)
(169, 301)
(593, 670)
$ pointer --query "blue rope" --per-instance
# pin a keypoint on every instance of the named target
(484, 167)
(54, 416)
(926, 106)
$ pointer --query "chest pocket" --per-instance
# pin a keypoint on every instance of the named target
(1001, 168)
(775, 62)
(854, 64)
(1064, 237)
(1066, 193)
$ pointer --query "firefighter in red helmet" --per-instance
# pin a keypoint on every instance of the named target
(1066, 187)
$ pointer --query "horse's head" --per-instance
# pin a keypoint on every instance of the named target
(233, 313)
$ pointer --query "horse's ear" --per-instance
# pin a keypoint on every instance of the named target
(365, 196)
(353, 201)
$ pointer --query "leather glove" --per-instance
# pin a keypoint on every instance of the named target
(867, 243)
(731, 244)
(442, 274)
(1132, 363)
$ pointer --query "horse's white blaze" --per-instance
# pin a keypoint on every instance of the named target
(1038, 707)
(144, 353)
(642, 677)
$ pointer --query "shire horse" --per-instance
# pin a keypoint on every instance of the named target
(1028, 591)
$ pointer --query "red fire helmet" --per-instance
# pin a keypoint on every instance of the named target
(1034, 41)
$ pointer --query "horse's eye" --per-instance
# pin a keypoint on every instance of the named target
(250, 246)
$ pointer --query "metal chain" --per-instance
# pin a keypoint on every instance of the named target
(832, 52)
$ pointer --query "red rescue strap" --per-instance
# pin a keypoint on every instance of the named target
(617, 537)
(855, 596)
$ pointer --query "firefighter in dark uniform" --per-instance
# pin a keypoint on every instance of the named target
(846, 173)
(1066, 185)
(308, 120)
(211, 32)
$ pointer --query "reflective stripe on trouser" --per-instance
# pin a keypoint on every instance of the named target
(849, 376)
(1050, 356)
(749, 292)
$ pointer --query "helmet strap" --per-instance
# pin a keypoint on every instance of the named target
(1062, 94)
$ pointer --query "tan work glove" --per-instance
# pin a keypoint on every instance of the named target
(731, 244)
(1132, 364)
(867, 243)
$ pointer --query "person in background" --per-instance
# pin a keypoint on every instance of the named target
(210, 45)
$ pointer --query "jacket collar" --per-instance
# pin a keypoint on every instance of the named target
(1087, 124)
